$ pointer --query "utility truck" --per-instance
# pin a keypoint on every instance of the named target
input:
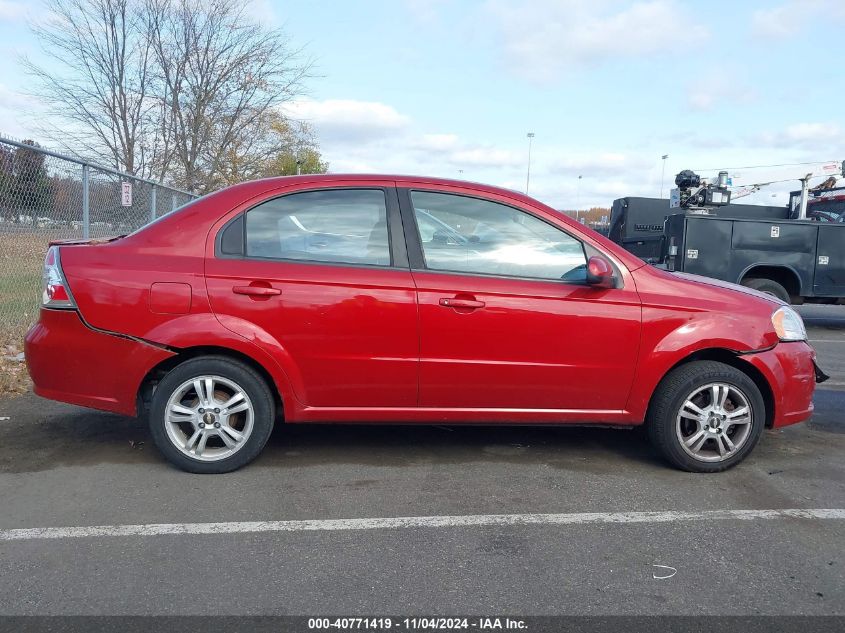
(794, 252)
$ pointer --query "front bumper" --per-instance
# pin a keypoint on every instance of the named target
(791, 371)
(72, 362)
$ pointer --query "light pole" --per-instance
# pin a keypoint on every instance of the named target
(578, 200)
(662, 172)
(530, 136)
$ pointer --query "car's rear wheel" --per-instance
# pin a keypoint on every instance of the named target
(211, 415)
(706, 416)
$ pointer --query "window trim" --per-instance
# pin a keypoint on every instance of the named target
(417, 256)
(395, 234)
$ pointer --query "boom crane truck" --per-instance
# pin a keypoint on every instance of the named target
(796, 253)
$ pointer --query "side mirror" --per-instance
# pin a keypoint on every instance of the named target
(599, 272)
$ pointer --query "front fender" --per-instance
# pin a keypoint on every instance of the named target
(669, 339)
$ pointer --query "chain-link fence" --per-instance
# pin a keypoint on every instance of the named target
(46, 196)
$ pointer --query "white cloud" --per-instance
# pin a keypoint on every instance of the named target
(387, 141)
(342, 165)
(701, 101)
(11, 99)
(425, 11)
(370, 137)
(594, 164)
(437, 142)
(348, 121)
(823, 137)
(556, 36)
(16, 111)
(485, 156)
(458, 153)
(261, 11)
(11, 11)
(778, 22)
(375, 137)
(705, 97)
(812, 132)
(793, 16)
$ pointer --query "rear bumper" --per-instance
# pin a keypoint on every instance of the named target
(791, 371)
(71, 362)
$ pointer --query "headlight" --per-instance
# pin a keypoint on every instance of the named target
(788, 324)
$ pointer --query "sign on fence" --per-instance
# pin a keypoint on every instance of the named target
(126, 197)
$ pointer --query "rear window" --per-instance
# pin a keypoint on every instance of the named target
(343, 226)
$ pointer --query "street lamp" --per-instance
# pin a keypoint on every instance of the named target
(530, 136)
(662, 172)
(578, 199)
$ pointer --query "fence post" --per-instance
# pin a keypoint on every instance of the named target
(173, 202)
(86, 209)
(153, 204)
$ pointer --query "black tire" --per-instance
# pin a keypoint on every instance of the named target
(249, 381)
(768, 286)
(671, 394)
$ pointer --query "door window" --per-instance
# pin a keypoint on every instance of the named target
(343, 225)
(464, 234)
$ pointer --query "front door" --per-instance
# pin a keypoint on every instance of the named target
(317, 273)
(506, 318)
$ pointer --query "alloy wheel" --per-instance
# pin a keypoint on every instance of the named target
(209, 418)
(714, 422)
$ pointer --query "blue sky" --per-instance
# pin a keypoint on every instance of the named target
(451, 88)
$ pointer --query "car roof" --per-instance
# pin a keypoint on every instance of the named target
(399, 179)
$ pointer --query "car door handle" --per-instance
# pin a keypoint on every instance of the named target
(461, 303)
(256, 291)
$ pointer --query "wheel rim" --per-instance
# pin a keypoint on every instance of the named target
(209, 418)
(714, 422)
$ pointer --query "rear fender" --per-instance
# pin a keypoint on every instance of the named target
(200, 330)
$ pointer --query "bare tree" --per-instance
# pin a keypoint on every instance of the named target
(98, 81)
(222, 76)
(177, 90)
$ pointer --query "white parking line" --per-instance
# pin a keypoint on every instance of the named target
(471, 520)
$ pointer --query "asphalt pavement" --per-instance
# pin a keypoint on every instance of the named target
(62, 466)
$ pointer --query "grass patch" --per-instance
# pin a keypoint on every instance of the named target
(21, 262)
(19, 296)
(14, 378)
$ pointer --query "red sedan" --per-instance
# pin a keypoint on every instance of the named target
(413, 300)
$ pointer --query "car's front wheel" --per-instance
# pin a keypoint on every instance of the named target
(706, 416)
(211, 415)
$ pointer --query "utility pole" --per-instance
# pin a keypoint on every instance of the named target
(662, 172)
(530, 136)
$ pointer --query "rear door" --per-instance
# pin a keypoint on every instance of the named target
(829, 277)
(506, 318)
(323, 274)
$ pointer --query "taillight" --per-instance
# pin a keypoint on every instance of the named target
(55, 291)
